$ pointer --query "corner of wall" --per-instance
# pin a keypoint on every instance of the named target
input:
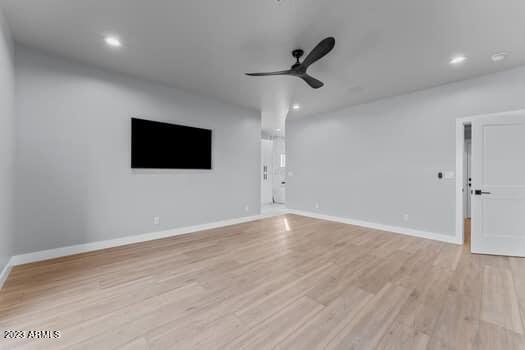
(7, 147)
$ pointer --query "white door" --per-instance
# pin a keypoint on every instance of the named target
(266, 171)
(498, 182)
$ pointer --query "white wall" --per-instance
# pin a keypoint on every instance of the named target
(379, 161)
(74, 182)
(7, 144)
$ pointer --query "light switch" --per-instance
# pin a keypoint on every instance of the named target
(450, 175)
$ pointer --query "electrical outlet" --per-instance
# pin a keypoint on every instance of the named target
(156, 220)
(246, 208)
(405, 217)
(316, 205)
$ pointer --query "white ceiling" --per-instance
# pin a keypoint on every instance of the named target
(383, 47)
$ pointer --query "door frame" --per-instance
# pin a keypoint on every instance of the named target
(460, 198)
(460, 150)
(468, 167)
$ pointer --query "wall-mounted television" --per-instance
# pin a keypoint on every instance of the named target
(158, 145)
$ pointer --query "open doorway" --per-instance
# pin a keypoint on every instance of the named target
(266, 172)
(273, 174)
(467, 183)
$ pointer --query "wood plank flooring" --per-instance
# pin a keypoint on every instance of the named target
(287, 282)
(466, 230)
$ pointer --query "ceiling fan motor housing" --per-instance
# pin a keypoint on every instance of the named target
(297, 53)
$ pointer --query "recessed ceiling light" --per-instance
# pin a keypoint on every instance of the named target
(113, 41)
(458, 59)
(277, 129)
(500, 56)
(296, 106)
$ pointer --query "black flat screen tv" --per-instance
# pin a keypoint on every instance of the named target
(157, 145)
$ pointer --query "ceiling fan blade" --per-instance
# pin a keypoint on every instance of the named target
(324, 47)
(283, 72)
(314, 83)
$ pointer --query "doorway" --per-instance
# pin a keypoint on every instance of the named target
(279, 169)
(273, 174)
(490, 186)
(467, 183)
(266, 172)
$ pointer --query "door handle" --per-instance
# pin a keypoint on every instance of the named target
(480, 192)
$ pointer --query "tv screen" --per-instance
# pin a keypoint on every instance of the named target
(156, 145)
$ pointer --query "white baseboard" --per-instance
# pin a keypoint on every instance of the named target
(372, 225)
(5, 272)
(88, 247)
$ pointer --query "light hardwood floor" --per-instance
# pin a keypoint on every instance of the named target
(287, 282)
(466, 231)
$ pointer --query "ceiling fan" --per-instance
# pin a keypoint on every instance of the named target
(299, 68)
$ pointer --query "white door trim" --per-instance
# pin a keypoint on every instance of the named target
(460, 149)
